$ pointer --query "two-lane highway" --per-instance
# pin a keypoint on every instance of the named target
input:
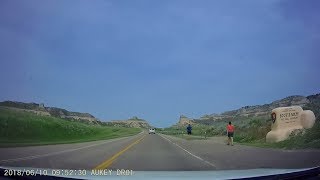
(64, 156)
(147, 152)
(157, 153)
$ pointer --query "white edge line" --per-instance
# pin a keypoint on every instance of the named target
(189, 152)
(59, 152)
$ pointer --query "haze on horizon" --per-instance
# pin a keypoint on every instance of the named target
(158, 59)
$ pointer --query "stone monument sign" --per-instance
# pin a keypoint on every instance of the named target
(287, 119)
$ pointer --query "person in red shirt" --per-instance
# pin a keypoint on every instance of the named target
(230, 131)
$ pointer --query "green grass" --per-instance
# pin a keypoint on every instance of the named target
(181, 132)
(23, 128)
(309, 140)
(218, 128)
(189, 137)
(255, 133)
(252, 132)
(197, 130)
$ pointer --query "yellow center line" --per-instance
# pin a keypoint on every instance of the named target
(108, 162)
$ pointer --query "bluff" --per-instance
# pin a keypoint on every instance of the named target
(40, 109)
(311, 102)
(133, 122)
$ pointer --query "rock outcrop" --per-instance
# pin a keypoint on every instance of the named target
(184, 121)
(134, 122)
(40, 109)
(256, 110)
(260, 110)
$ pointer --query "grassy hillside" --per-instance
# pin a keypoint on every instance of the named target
(52, 111)
(309, 139)
(218, 128)
(23, 128)
(251, 131)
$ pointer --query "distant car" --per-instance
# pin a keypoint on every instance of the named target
(152, 131)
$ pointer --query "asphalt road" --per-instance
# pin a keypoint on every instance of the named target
(153, 152)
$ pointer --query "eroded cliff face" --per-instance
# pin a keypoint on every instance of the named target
(184, 121)
(40, 109)
(255, 111)
(260, 110)
(133, 122)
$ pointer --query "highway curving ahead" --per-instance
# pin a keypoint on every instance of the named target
(156, 152)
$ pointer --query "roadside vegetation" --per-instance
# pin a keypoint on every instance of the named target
(23, 128)
(218, 128)
(309, 139)
(255, 131)
(252, 132)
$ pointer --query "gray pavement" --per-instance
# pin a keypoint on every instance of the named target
(226, 157)
(156, 152)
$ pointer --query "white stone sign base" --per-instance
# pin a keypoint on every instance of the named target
(287, 119)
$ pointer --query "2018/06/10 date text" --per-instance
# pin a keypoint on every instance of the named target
(66, 172)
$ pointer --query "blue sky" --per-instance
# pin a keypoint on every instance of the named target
(158, 59)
